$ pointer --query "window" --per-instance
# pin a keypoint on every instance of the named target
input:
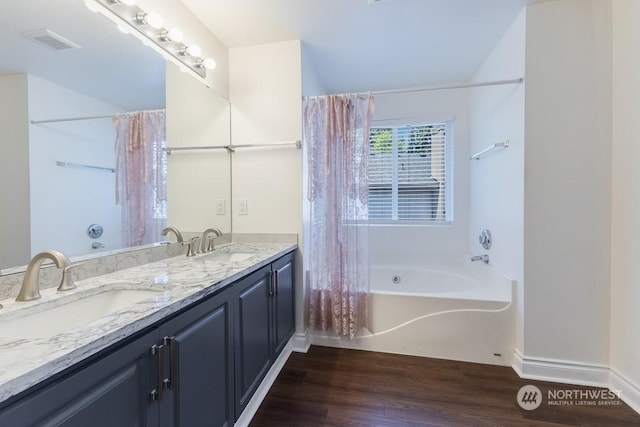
(408, 173)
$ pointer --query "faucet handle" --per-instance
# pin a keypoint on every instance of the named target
(66, 284)
(192, 246)
(210, 244)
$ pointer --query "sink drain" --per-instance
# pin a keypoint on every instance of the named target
(396, 279)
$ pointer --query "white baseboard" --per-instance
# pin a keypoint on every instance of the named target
(560, 371)
(630, 392)
(301, 342)
(255, 402)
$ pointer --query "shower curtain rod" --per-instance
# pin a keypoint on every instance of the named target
(74, 119)
(448, 86)
(71, 119)
(438, 87)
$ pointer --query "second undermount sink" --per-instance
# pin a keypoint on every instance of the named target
(71, 314)
(233, 256)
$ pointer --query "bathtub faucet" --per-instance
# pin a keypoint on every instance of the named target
(483, 258)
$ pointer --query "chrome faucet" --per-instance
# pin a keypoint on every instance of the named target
(483, 258)
(204, 240)
(31, 284)
(174, 231)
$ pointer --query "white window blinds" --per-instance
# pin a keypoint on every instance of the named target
(408, 173)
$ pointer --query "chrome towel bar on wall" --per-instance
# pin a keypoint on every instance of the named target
(490, 149)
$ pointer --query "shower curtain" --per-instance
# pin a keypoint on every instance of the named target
(336, 136)
(141, 175)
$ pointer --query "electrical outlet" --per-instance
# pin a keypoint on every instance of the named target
(220, 207)
(242, 207)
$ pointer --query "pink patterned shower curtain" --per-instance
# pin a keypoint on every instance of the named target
(141, 182)
(336, 135)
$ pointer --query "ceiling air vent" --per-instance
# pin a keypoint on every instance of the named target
(50, 39)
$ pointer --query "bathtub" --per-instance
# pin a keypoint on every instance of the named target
(453, 309)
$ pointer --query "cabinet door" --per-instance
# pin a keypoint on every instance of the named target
(284, 302)
(113, 391)
(199, 374)
(252, 334)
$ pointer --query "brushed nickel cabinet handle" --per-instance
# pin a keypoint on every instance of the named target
(172, 344)
(271, 283)
(156, 350)
(173, 369)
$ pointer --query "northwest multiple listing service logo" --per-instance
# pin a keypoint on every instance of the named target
(530, 397)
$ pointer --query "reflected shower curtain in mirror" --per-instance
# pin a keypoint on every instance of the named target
(141, 175)
(336, 137)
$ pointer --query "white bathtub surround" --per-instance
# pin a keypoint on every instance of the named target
(179, 282)
(335, 133)
(453, 309)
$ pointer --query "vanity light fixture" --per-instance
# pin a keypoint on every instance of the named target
(149, 28)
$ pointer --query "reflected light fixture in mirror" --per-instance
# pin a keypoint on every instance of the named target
(148, 27)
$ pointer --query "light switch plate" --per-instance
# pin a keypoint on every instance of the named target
(220, 207)
(242, 207)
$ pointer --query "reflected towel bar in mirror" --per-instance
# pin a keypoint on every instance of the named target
(232, 148)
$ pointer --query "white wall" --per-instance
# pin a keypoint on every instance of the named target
(197, 180)
(625, 247)
(496, 183)
(65, 201)
(266, 97)
(567, 197)
(311, 84)
(14, 172)
(393, 243)
(265, 88)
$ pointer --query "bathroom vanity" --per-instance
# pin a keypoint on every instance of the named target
(192, 355)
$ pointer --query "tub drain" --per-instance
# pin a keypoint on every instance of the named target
(396, 279)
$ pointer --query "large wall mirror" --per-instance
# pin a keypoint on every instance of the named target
(64, 71)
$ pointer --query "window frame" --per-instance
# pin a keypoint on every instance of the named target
(448, 123)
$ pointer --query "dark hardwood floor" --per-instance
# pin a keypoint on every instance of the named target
(337, 387)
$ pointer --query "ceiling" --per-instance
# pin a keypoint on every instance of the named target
(109, 65)
(360, 45)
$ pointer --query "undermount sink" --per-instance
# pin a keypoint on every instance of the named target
(70, 314)
(233, 256)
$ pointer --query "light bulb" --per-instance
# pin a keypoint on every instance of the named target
(154, 20)
(172, 35)
(209, 64)
(124, 28)
(193, 50)
(91, 5)
(151, 19)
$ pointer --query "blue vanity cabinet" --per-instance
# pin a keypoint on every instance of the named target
(112, 390)
(198, 370)
(283, 302)
(264, 322)
(197, 367)
(253, 331)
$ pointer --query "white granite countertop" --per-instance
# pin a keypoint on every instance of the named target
(179, 282)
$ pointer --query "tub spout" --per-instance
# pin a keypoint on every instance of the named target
(483, 258)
